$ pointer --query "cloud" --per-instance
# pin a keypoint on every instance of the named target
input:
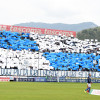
(52, 11)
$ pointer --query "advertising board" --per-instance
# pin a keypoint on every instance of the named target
(4, 79)
(37, 30)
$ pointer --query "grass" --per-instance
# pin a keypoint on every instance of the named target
(45, 91)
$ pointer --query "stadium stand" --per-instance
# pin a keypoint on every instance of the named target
(36, 51)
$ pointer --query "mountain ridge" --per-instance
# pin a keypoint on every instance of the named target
(60, 26)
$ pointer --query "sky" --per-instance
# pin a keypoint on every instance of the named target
(49, 11)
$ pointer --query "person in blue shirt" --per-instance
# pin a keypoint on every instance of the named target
(88, 84)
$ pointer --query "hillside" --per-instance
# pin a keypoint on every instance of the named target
(60, 26)
(92, 33)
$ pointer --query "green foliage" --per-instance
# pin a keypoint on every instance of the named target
(92, 33)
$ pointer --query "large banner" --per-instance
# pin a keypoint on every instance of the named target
(36, 30)
(26, 72)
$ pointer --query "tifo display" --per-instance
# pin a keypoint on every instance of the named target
(48, 52)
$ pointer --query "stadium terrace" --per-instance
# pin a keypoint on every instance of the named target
(32, 54)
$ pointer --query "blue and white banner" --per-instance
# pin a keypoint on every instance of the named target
(26, 72)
